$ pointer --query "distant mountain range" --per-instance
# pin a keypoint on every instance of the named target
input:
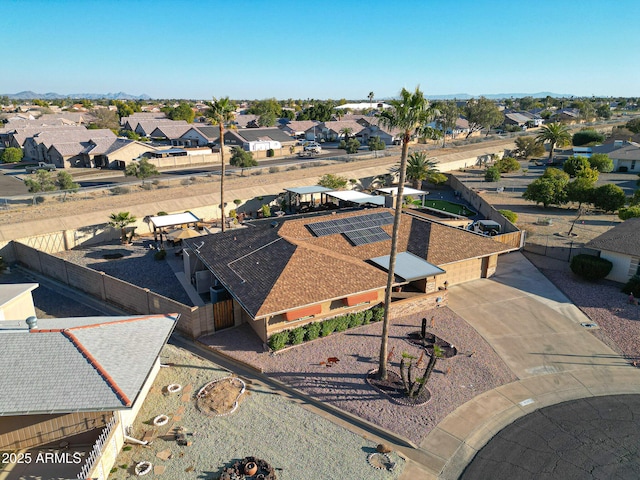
(497, 96)
(29, 95)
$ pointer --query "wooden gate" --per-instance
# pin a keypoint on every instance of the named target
(223, 314)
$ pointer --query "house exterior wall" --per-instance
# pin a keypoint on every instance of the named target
(623, 266)
(329, 309)
(29, 431)
(127, 153)
(194, 136)
(18, 308)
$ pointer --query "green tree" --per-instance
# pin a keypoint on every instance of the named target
(556, 134)
(492, 174)
(448, 114)
(633, 125)
(580, 190)
(346, 133)
(507, 165)
(182, 112)
(350, 146)
(141, 169)
(64, 181)
(609, 197)
(243, 159)
(629, 212)
(105, 118)
(221, 113)
(410, 114)
(587, 137)
(11, 155)
(550, 189)
(121, 220)
(321, 111)
(334, 182)
(603, 111)
(376, 144)
(270, 107)
(482, 113)
(573, 165)
(267, 119)
(601, 162)
(527, 147)
(41, 181)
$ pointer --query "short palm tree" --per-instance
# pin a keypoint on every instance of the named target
(346, 133)
(556, 134)
(221, 113)
(410, 114)
(121, 220)
(419, 168)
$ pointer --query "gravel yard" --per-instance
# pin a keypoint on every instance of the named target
(602, 302)
(136, 266)
(476, 369)
(301, 445)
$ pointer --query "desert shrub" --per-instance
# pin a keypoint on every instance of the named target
(185, 181)
(507, 165)
(492, 174)
(155, 182)
(327, 327)
(296, 336)
(590, 267)
(39, 199)
(509, 215)
(278, 341)
(356, 319)
(120, 190)
(377, 314)
(366, 319)
(146, 186)
(266, 210)
(312, 331)
(274, 169)
(257, 172)
(292, 167)
(160, 254)
(161, 214)
(342, 323)
(632, 286)
(585, 137)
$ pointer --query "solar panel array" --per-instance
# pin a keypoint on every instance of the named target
(359, 230)
(367, 235)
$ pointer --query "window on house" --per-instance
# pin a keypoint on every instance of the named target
(633, 164)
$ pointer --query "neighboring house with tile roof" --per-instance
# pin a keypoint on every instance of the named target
(67, 379)
(624, 154)
(247, 137)
(332, 131)
(246, 121)
(131, 122)
(115, 154)
(621, 246)
(299, 128)
(282, 275)
(170, 132)
(198, 136)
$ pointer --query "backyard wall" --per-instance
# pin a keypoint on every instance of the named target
(193, 322)
(186, 160)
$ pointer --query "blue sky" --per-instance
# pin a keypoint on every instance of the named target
(330, 49)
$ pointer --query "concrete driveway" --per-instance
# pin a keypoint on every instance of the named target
(536, 331)
(529, 322)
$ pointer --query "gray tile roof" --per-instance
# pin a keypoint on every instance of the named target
(89, 364)
(210, 132)
(624, 238)
(257, 134)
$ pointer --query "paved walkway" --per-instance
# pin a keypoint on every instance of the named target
(537, 332)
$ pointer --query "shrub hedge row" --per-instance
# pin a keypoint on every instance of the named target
(590, 267)
(311, 331)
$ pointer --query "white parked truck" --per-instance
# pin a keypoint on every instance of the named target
(50, 167)
(485, 227)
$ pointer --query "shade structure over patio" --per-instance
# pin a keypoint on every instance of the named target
(296, 196)
(162, 221)
(393, 192)
(410, 267)
(359, 198)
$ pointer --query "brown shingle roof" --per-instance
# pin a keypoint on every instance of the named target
(623, 238)
(271, 270)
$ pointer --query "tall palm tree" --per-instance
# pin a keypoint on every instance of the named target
(221, 112)
(556, 134)
(121, 220)
(370, 96)
(410, 114)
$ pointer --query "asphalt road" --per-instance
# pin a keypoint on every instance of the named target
(591, 438)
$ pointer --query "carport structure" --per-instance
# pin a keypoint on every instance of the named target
(406, 191)
(300, 197)
(161, 222)
(355, 198)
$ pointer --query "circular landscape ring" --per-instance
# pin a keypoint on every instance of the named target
(595, 437)
(161, 420)
(143, 468)
(174, 388)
